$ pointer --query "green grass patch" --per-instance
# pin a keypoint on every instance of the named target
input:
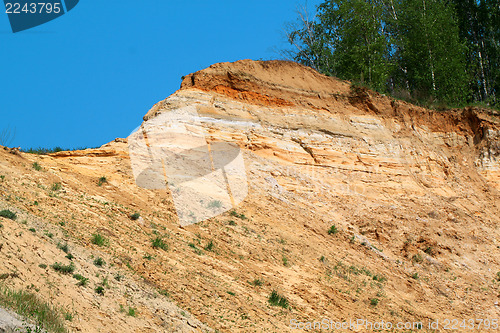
(64, 269)
(333, 230)
(158, 243)
(99, 240)
(8, 214)
(30, 305)
(37, 166)
(275, 299)
(99, 262)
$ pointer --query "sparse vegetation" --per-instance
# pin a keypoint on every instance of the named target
(63, 247)
(82, 281)
(99, 290)
(131, 312)
(285, 261)
(56, 187)
(231, 222)
(36, 166)
(158, 243)
(8, 214)
(374, 301)
(135, 216)
(32, 229)
(276, 299)
(415, 276)
(210, 246)
(99, 262)
(417, 258)
(240, 216)
(102, 180)
(64, 269)
(42, 266)
(99, 240)
(333, 230)
(29, 305)
(257, 282)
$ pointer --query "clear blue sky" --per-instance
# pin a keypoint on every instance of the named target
(90, 75)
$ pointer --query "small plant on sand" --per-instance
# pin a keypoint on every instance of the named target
(135, 216)
(102, 180)
(158, 243)
(276, 299)
(374, 301)
(99, 262)
(64, 269)
(333, 230)
(8, 214)
(36, 166)
(99, 290)
(99, 240)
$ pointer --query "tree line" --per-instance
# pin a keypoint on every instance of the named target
(425, 51)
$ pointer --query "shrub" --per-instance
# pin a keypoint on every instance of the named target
(36, 166)
(240, 216)
(231, 222)
(42, 266)
(99, 240)
(276, 299)
(131, 312)
(64, 247)
(82, 281)
(415, 276)
(99, 262)
(135, 216)
(333, 230)
(257, 282)
(56, 187)
(158, 243)
(101, 181)
(99, 290)
(8, 214)
(374, 301)
(65, 269)
(210, 246)
(29, 305)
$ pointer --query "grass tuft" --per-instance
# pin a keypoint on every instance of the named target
(158, 243)
(8, 214)
(29, 305)
(276, 299)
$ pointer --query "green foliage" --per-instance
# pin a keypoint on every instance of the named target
(36, 166)
(99, 240)
(99, 262)
(333, 230)
(430, 52)
(63, 247)
(82, 281)
(257, 282)
(29, 305)
(135, 216)
(102, 180)
(56, 187)
(8, 214)
(132, 312)
(99, 290)
(276, 299)
(210, 246)
(240, 216)
(64, 269)
(158, 243)
(374, 301)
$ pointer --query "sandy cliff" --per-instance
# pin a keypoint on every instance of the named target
(413, 193)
